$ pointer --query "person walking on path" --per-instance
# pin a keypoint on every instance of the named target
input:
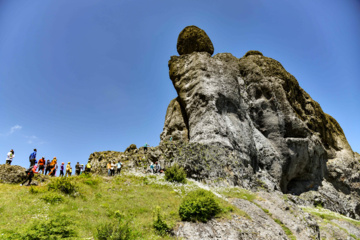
(77, 169)
(30, 175)
(118, 168)
(61, 170)
(41, 165)
(32, 158)
(68, 167)
(10, 156)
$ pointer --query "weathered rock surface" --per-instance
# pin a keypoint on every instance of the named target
(248, 122)
(193, 39)
(12, 173)
(175, 125)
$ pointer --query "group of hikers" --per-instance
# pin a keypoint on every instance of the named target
(48, 167)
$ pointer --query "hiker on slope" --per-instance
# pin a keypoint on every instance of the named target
(53, 167)
(77, 169)
(47, 167)
(88, 167)
(61, 170)
(30, 174)
(10, 156)
(68, 170)
(32, 158)
(118, 168)
(41, 165)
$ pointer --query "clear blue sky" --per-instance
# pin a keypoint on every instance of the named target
(91, 75)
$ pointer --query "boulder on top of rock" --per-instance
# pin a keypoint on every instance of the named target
(253, 52)
(131, 148)
(12, 173)
(193, 39)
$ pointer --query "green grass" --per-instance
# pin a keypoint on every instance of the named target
(238, 193)
(329, 215)
(97, 201)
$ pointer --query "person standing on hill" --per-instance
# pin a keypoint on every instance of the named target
(77, 169)
(108, 166)
(145, 147)
(61, 170)
(81, 168)
(112, 168)
(30, 175)
(68, 167)
(32, 158)
(118, 168)
(53, 167)
(88, 167)
(41, 165)
(10, 156)
(47, 167)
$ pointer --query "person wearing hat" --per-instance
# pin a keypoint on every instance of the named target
(10, 156)
(53, 167)
(30, 175)
(68, 167)
(61, 170)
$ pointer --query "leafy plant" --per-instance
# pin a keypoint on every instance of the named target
(199, 205)
(55, 228)
(175, 174)
(118, 230)
(160, 226)
(64, 185)
(53, 198)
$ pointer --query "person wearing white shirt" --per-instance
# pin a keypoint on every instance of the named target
(10, 157)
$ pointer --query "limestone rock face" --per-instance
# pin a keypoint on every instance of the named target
(193, 39)
(12, 173)
(175, 125)
(254, 108)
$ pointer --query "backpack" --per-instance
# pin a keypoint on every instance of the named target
(28, 170)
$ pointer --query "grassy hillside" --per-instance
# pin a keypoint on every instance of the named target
(94, 202)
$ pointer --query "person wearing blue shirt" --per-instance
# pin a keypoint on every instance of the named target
(32, 158)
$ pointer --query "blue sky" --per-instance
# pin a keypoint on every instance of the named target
(91, 75)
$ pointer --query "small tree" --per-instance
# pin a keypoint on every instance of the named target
(175, 174)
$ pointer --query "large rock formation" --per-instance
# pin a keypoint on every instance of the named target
(247, 122)
(256, 110)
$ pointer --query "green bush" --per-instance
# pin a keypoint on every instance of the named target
(199, 205)
(55, 228)
(117, 230)
(175, 174)
(160, 226)
(62, 184)
(53, 198)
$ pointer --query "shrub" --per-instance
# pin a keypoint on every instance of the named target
(118, 230)
(253, 52)
(199, 205)
(62, 184)
(53, 198)
(159, 224)
(175, 174)
(55, 228)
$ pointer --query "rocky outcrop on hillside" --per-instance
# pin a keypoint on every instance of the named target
(246, 121)
(12, 173)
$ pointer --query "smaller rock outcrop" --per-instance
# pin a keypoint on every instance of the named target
(12, 173)
(193, 39)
